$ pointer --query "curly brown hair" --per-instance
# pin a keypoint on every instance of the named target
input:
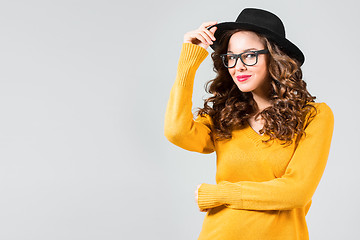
(230, 108)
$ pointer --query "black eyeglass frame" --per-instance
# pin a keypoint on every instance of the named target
(263, 51)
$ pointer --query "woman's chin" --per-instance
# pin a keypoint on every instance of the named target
(245, 89)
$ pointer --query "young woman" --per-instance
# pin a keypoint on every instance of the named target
(271, 139)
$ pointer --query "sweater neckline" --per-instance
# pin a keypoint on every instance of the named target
(253, 135)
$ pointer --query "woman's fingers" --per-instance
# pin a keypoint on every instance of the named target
(197, 194)
(206, 37)
(212, 30)
(208, 24)
(210, 34)
(201, 36)
(196, 37)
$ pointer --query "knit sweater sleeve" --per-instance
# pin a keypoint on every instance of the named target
(292, 190)
(180, 127)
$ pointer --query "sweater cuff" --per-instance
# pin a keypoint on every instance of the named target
(209, 196)
(191, 57)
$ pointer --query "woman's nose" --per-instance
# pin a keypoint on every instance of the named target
(240, 65)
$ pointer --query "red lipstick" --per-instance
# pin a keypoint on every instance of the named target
(242, 78)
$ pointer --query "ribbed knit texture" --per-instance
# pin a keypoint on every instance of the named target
(263, 190)
(188, 64)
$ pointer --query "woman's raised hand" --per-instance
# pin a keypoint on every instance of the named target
(201, 36)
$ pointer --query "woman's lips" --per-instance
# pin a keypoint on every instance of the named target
(242, 78)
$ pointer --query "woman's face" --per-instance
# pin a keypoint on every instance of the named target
(255, 78)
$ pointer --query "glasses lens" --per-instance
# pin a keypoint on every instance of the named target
(229, 60)
(249, 58)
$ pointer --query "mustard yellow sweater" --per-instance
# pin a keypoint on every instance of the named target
(263, 190)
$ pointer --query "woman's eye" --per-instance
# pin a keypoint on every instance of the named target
(249, 55)
(231, 57)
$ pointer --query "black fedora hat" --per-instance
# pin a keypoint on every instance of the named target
(263, 22)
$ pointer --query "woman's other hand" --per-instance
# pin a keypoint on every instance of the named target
(196, 198)
(201, 36)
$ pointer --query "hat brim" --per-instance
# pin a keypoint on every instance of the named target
(284, 44)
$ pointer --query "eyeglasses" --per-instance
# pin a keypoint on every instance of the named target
(249, 58)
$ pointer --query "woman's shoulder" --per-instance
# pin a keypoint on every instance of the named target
(321, 112)
(321, 107)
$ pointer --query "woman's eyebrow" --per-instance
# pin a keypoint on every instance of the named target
(229, 51)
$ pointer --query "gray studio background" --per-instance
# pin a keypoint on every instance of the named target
(83, 92)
